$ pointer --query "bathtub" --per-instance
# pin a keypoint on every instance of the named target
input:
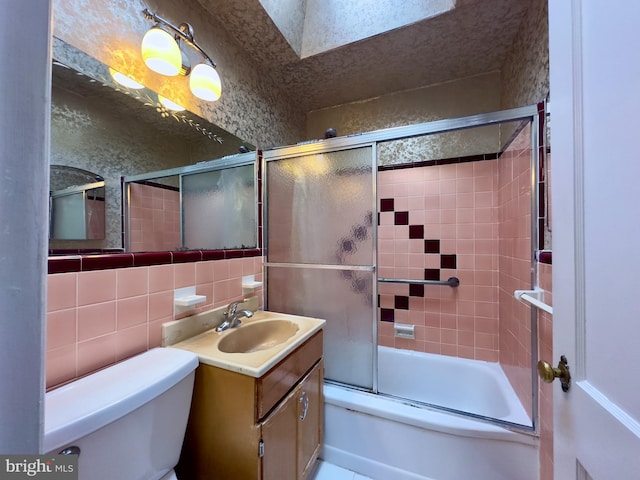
(387, 438)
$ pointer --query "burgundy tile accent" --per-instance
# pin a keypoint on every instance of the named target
(84, 251)
(212, 255)
(387, 314)
(416, 231)
(144, 259)
(544, 256)
(432, 274)
(442, 161)
(401, 218)
(186, 256)
(386, 205)
(416, 290)
(448, 261)
(104, 262)
(432, 246)
(401, 302)
(64, 264)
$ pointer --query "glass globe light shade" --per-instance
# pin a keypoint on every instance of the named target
(124, 80)
(204, 82)
(170, 104)
(161, 52)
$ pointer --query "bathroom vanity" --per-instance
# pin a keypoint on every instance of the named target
(256, 414)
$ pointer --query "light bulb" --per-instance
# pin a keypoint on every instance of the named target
(124, 80)
(204, 82)
(169, 104)
(161, 52)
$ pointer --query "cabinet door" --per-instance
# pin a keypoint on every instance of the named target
(310, 419)
(279, 437)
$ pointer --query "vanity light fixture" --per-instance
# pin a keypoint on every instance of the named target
(124, 80)
(162, 53)
(170, 105)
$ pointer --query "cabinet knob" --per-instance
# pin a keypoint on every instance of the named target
(304, 402)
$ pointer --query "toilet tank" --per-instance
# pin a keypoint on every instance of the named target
(128, 420)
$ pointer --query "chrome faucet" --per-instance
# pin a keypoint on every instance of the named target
(232, 317)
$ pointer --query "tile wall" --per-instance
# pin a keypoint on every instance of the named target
(435, 222)
(515, 256)
(97, 318)
(155, 218)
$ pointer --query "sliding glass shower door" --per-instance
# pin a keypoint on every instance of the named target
(320, 250)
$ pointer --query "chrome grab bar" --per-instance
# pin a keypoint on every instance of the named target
(451, 281)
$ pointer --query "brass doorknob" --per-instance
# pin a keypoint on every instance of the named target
(548, 373)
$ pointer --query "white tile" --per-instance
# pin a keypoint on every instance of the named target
(328, 471)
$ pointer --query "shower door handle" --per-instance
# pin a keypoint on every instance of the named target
(548, 373)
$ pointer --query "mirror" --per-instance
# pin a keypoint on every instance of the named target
(76, 204)
(208, 206)
(100, 126)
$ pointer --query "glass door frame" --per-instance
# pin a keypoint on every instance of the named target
(529, 113)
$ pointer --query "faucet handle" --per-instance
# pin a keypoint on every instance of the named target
(231, 309)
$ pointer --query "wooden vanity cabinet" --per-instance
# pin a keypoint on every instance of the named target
(246, 428)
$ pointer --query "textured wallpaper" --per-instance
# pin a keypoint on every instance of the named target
(468, 96)
(288, 15)
(525, 73)
(333, 23)
(251, 107)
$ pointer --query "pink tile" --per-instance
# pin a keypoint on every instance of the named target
(486, 355)
(235, 268)
(155, 332)
(204, 272)
(60, 365)
(96, 353)
(207, 290)
(432, 347)
(132, 311)
(131, 341)
(61, 291)
(464, 185)
(221, 292)
(160, 306)
(247, 266)
(466, 352)
(96, 320)
(96, 286)
(61, 328)
(448, 187)
(486, 340)
(161, 278)
(449, 349)
(449, 336)
(132, 282)
(184, 275)
(221, 270)
(466, 339)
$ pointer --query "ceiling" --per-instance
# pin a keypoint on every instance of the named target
(473, 38)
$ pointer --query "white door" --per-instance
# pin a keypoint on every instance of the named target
(595, 137)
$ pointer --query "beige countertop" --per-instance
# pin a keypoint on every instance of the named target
(254, 364)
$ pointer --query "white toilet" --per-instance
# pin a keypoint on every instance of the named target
(128, 420)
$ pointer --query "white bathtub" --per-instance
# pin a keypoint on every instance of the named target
(387, 438)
